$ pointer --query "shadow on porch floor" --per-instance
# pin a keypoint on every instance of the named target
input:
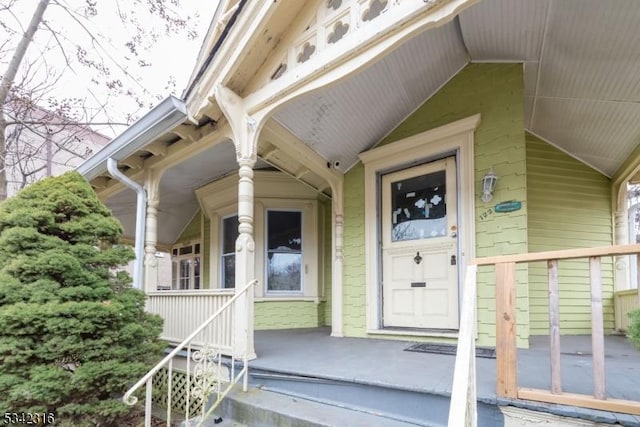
(314, 353)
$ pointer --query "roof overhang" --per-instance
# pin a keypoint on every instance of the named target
(163, 118)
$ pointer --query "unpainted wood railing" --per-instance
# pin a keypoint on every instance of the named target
(506, 352)
(200, 355)
(463, 409)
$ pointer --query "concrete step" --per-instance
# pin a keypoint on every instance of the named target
(412, 407)
(262, 408)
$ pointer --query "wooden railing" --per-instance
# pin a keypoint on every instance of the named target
(199, 358)
(506, 353)
(463, 407)
(183, 311)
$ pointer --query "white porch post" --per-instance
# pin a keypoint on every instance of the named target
(338, 256)
(622, 270)
(152, 187)
(245, 139)
(245, 260)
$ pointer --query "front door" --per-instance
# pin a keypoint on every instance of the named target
(420, 246)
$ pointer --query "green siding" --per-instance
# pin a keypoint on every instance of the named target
(569, 207)
(353, 273)
(496, 92)
(288, 314)
(193, 230)
(206, 254)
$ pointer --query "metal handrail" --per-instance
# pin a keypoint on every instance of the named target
(131, 400)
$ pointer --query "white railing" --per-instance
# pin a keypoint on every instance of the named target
(625, 302)
(463, 408)
(199, 358)
(183, 311)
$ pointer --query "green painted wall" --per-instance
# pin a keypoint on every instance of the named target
(192, 230)
(353, 269)
(569, 207)
(496, 92)
(288, 314)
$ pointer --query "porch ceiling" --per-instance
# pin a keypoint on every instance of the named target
(178, 203)
(582, 79)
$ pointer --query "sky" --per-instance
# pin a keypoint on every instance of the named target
(173, 55)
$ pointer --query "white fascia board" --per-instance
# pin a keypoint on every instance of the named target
(164, 117)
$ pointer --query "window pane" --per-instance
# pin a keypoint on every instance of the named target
(174, 275)
(185, 265)
(197, 248)
(229, 234)
(283, 271)
(418, 209)
(186, 250)
(229, 271)
(196, 273)
(284, 231)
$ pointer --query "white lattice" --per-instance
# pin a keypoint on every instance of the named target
(178, 392)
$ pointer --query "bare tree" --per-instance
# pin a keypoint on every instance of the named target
(39, 127)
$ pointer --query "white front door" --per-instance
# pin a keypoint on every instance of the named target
(420, 247)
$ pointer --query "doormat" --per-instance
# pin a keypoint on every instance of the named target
(486, 352)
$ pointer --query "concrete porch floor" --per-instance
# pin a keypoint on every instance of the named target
(379, 362)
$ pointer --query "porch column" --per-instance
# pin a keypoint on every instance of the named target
(338, 256)
(622, 265)
(245, 131)
(245, 261)
(152, 187)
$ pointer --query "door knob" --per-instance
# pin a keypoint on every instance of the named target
(417, 258)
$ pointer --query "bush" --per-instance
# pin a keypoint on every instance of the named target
(634, 328)
(74, 334)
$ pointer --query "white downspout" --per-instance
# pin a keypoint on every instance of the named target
(112, 167)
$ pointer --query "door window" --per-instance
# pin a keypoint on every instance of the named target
(418, 208)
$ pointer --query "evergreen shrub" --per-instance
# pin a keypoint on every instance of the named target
(74, 334)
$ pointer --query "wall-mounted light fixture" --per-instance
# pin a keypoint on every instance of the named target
(488, 185)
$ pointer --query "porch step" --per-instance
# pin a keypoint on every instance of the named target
(404, 406)
(262, 408)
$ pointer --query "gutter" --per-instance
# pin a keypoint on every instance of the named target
(163, 118)
(141, 207)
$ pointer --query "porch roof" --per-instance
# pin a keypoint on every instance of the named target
(581, 79)
(581, 83)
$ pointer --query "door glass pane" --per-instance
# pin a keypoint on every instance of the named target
(284, 251)
(418, 209)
